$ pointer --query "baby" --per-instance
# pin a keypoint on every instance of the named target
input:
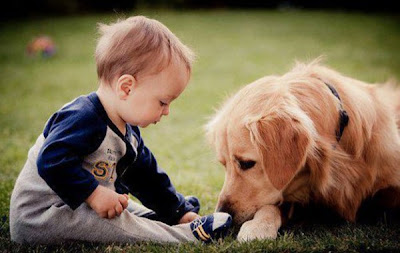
(90, 155)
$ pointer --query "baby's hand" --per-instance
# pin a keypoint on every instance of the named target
(107, 203)
(188, 217)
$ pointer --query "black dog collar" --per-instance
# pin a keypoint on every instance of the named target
(343, 116)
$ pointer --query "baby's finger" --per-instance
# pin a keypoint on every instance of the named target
(111, 213)
(123, 201)
(103, 214)
(118, 209)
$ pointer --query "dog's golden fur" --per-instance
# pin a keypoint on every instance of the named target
(288, 125)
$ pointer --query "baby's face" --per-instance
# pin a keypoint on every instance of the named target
(151, 98)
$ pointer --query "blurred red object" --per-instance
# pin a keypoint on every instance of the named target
(41, 46)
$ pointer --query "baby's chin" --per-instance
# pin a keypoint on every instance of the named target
(147, 124)
(156, 121)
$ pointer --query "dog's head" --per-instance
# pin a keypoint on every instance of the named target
(262, 138)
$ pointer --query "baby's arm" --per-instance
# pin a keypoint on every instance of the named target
(71, 134)
(152, 186)
(107, 203)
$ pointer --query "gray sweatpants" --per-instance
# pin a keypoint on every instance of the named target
(38, 215)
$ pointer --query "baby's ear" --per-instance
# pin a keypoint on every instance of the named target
(125, 85)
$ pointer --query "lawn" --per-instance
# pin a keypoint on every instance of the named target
(233, 48)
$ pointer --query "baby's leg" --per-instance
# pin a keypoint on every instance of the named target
(37, 215)
(60, 224)
(140, 210)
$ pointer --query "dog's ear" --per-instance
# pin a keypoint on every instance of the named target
(283, 143)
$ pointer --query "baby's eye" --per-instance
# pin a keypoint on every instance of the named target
(162, 103)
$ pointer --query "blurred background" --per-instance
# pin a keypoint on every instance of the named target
(24, 8)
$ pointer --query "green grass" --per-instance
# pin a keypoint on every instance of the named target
(233, 48)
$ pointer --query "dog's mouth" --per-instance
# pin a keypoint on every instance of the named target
(238, 216)
(238, 220)
(241, 217)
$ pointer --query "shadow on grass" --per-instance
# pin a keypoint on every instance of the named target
(315, 237)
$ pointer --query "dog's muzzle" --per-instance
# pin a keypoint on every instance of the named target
(226, 207)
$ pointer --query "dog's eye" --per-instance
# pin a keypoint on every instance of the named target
(245, 165)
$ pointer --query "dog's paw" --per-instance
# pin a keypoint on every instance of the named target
(254, 229)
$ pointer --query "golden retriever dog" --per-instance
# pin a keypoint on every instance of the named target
(309, 136)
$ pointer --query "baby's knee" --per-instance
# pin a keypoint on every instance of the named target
(30, 229)
(20, 231)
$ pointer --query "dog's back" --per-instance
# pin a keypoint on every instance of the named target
(391, 90)
(366, 159)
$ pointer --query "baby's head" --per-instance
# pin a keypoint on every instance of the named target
(143, 66)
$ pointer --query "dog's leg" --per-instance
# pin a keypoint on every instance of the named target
(264, 225)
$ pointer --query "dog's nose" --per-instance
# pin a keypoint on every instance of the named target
(226, 207)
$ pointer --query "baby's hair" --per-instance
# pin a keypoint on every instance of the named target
(137, 45)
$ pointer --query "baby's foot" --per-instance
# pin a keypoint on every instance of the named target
(211, 227)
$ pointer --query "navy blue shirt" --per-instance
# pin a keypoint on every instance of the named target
(83, 149)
